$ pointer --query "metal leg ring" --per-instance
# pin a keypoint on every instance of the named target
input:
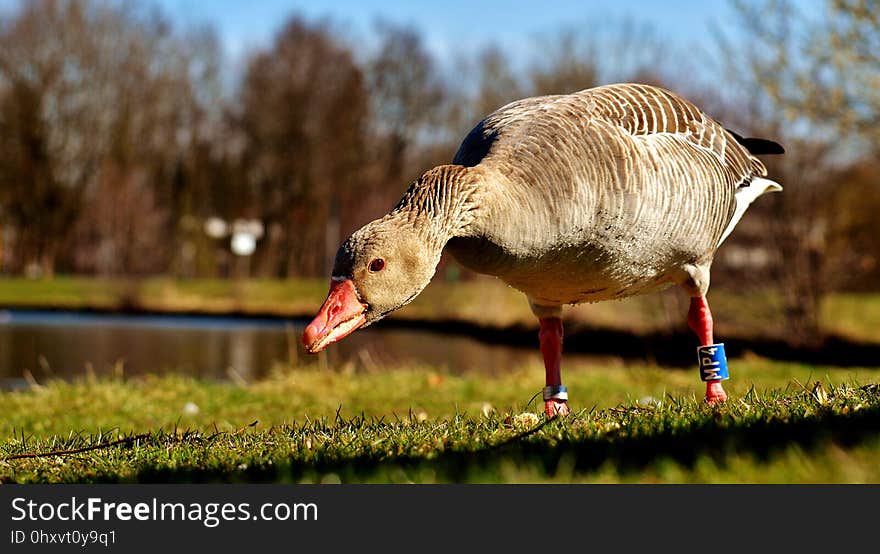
(555, 392)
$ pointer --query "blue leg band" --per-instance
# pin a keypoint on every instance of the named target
(713, 362)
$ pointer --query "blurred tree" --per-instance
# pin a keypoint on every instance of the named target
(50, 126)
(805, 82)
(567, 65)
(853, 227)
(407, 94)
(497, 84)
(565, 61)
(303, 115)
(98, 104)
(406, 97)
(485, 83)
(827, 68)
(202, 179)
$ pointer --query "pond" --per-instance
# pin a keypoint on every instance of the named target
(51, 344)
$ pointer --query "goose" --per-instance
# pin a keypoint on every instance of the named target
(602, 194)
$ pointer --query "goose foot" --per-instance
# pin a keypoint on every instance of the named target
(555, 407)
(715, 393)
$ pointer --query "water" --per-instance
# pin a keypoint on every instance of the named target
(65, 345)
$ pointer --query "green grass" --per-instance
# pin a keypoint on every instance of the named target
(484, 301)
(631, 424)
(293, 296)
(855, 316)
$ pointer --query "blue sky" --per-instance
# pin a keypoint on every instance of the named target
(450, 27)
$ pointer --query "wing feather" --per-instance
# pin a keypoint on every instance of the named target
(645, 111)
(641, 111)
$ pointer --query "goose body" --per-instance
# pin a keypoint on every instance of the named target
(601, 194)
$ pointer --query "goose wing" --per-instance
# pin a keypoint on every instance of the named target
(644, 112)
(618, 134)
(650, 112)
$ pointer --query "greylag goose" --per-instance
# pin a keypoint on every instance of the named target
(601, 194)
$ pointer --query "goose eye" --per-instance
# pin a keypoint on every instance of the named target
(377, 265)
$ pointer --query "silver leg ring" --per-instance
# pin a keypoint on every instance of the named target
(555, 392)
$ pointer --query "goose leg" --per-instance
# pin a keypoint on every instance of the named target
(555, 395)
(700, 322)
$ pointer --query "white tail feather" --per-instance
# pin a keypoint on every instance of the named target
(744, 197)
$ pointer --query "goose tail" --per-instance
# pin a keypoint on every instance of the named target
(758, 146)
(744, 196)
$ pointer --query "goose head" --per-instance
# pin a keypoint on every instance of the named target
(381, 267)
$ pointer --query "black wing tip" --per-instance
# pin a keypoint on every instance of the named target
(758, 146)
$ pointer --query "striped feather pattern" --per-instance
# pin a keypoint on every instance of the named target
(645, 110)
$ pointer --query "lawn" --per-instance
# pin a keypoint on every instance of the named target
(632, 423)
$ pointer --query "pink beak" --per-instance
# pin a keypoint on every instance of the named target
(340, 315)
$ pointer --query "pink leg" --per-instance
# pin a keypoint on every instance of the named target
(550, 337)
(700, 322)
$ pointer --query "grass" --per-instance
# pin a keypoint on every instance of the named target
(785, 423)
(484, 300)
(162, 294)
